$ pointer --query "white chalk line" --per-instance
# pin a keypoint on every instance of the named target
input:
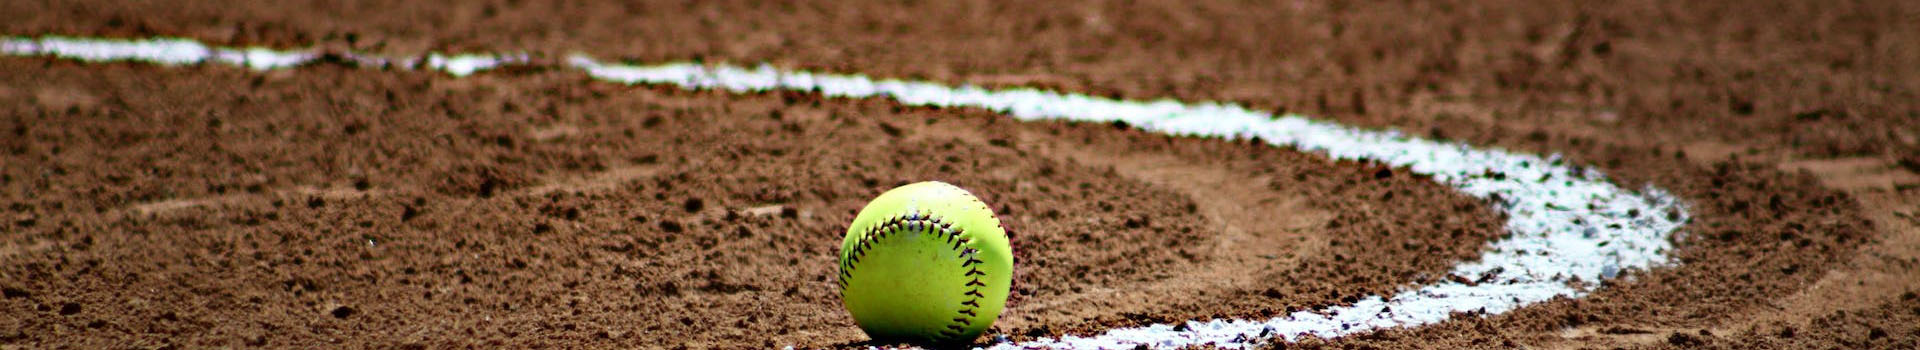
(1568, 227)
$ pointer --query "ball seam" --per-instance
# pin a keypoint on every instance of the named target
(916, 222)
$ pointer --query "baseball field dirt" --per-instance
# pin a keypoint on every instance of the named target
(329, 205)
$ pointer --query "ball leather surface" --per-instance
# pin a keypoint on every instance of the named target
(925, 262)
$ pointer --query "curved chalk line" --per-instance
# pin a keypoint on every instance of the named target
(1568, 227)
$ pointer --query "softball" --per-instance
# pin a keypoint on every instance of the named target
(925, 262)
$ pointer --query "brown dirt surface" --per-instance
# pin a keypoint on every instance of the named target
(542, 209)
(206, 206)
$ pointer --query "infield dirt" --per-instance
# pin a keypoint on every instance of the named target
(326, 205)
